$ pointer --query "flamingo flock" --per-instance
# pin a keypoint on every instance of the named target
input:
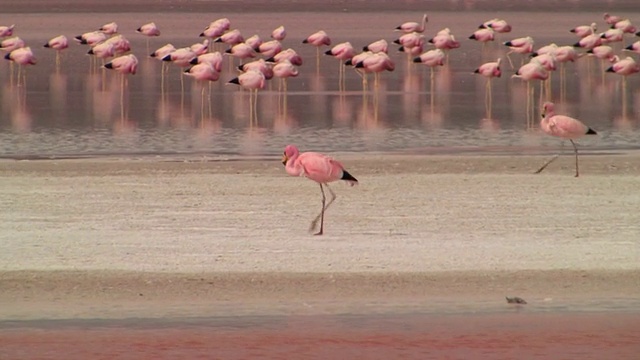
(253, 62)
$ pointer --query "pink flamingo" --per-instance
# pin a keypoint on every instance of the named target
(625, 26)
(528, 72)
(213, 58)
(376, 63)
(203, 72)
(498, 25)
(120, 43)
(252, 80)
(259, 65)
(343, 52)
(109, 29)
(604, 53)
(91, 38)
(564, 127)
(124, 65)
(231, 37)
(489, 70)
(283, 70)
(377, 46)
(149, 30)
(523, 45)
(635, 47)
(216, 28)
(6, 30)
(12, 43)
(624, 67)
(58, 44)
(279, 33)
(589, 41)
(159, 54)
(584, 30)
(22, 56)
(319, 168)
(254, 41)
(288, 54)
(270, 48)
(242, 51)
(412, 26)
(611, 19)
(200, 48)
(318, 39)
(483, 35)
(103, 50)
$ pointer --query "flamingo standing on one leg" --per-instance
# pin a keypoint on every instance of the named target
(149, 30)
(319, 168)
(22, 56)
(489, 70)
(431, 58)
(564, 127)
(252, 80)
(58, 44)
(343, 52)
(318, 39)
(124, 65)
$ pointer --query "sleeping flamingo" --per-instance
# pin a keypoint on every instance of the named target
(319, 168)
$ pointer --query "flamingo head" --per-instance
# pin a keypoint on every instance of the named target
(290, 151)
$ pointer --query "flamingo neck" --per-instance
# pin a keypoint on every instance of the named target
(293, 167)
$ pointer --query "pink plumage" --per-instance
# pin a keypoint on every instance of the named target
(564, 127)
(319, 168)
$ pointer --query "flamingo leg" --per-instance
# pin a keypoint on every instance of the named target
(575, 149)
(325, 206)
(546, 164)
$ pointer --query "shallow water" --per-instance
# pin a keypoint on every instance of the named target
(82, 112)
(510, 334)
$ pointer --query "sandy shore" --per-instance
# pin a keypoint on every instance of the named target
(130, 233)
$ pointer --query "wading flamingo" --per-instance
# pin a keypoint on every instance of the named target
(584, 30)
(319, 168)
(489, 70)
(318, 39)
(252, 80)
(412, 26)
(343, 52)
(124, 65)
(498, 25)
(564, 127)
(109, 29)
(22, 56)
(58, 44)
(149, 30)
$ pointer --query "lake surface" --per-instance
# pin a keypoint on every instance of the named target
(79, 110)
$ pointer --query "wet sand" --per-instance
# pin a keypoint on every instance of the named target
(442, 237)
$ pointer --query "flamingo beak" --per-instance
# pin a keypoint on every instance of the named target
(284, 159)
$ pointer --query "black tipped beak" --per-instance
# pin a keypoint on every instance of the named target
(476, 71)
(152, 55)
(610, 69)
(187, 70)
(396, 41)
(366, 48)
(271, 59)
(79, 37)
(472, 37)
(228, 51)
(7, 57)
(305, 41)
(401, 49)
(201, 35)
(139, 29)
(90, 52)
(534, 54)
(360, 65)
(108, 65)
(630, 47)
(234, 81)
(167, 58)
(46, 45)
(577, 45)
(398, 27)
(218, 40)
(328, 52)
(417, 59)
(348, 62)
(194, 61)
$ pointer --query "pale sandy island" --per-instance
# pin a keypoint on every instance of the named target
(164, 236)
